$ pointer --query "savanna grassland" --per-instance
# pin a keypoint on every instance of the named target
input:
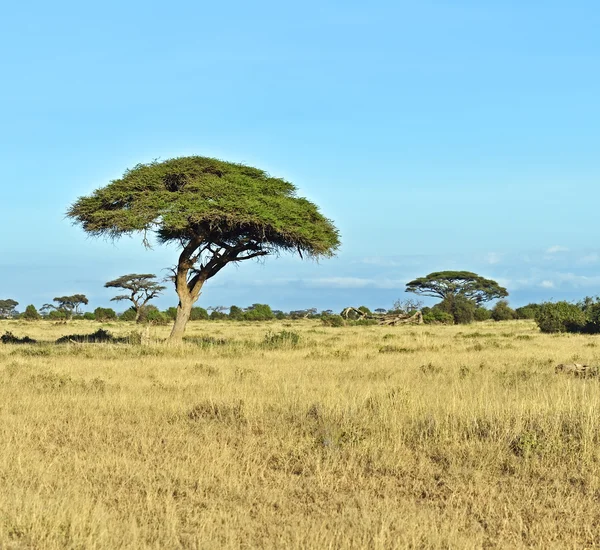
(353, 437)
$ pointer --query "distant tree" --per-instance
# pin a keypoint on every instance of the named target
(128, 315)
(444, 284)
(217, 212)
(68, 305)
(217, 315)
(7, 308)
(31, 314)
(104, 314)
(279, 314)
(199, 314)
(561, 317)
(258, 312)
(141, 288)
(503, 312)
(171, 313)
(236, 313)
(89, 316)
(381, 310)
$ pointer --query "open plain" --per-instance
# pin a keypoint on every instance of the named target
(295, 435)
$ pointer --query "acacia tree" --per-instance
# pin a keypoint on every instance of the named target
(141, 289)
(69, 305)
(7, 307)
(448, 284)
(217, 212)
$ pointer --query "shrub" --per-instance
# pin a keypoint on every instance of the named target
(89, 316)
(527, 312)
(503, 312)
(100, 336)
(57, 315)
(197, 314)
(128, 315)
(462, 309)
(592, 325)
(333, 320)
(104, 314)
(560, 317)
(171, 313)
(31, 314)
(259, 312)
(155, 317)
(482, 314)
(236, 313)
(217, 315)
(10, 338)
(438, 317)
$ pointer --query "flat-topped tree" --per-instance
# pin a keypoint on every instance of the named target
(141, 288)
(7, 307)
(69, 305)
(217, 212)
(447, 284)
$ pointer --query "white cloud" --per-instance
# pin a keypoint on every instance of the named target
(592, 258)
(547, 284)
(493, 258)
(355, 282)
(557, 248)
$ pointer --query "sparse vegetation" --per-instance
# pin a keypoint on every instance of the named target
(260, 436)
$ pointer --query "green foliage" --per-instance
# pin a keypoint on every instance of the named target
(57, 315)
(89, 316)
(31, 314)
(365, 309)
(198, 314)
(503, 312)
(438, 317)
(333, 320)
(104, 314)
(592, 313)
(461, 308)
(151, 315)
(141, 288)
(259, 312)
(219, 201)
(171, 313)
(528, 312)
(128, 315)
(445, 284)
(216, 315)
(561, 317)
(236, 313)
(482, 314)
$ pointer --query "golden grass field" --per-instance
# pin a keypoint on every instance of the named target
(357, 437)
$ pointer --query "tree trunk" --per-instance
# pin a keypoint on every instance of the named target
(184, 310)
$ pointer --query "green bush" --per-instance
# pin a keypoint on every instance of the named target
(236, 313)
(438, 317)
(333, 320)
(197, 314)
(462, 309)
(171, 313)
(592, 325)
(30, 314)
(561, 316)
(155, 317)
(103, 314)
(482, 314)
(503, 312)
(528, 312)
(283, 339)
(89, 316)
(259, 312)
(57, 315)
(128, 315)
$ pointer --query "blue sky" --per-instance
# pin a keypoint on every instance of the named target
(437, 135)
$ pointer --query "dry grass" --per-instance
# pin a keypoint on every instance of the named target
(364, 437)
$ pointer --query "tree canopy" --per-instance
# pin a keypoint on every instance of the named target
(218, 212)
(68, 305)
(447, 284)
(7, 307)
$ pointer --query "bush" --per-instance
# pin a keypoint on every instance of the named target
(438, 317)
(527, 312)
(104, 314)
(333, 320)
(171, 313)
(89, 316)
(31, 314)
(197, 314)
(236, 313)
(10, 338)
(561, 317)
(482, 314)
(218, 315)
(98, 337)
(128, 315)
(503, 312)
(259, 312)
(155, 317)
(57, 315)
(462, 309)
(592, 325)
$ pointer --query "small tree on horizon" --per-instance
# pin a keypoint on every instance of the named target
(216, 212)
(449, 284)
(7, 307)
(141, 289)
(68, 305)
